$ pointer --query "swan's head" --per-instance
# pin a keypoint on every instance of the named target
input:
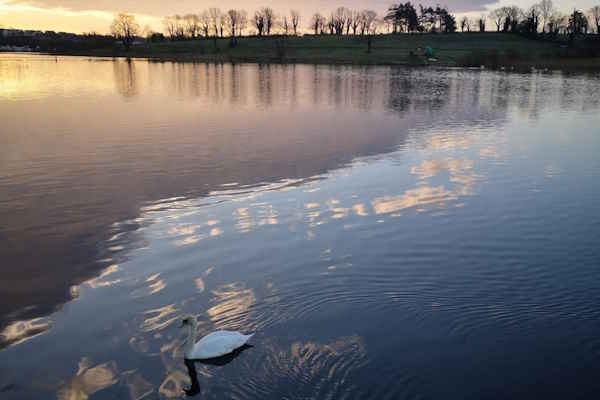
(188, 320)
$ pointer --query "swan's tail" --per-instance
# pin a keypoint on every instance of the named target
(248, 337)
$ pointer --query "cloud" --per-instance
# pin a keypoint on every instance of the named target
(162, 8)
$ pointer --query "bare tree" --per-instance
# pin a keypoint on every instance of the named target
(259, 22)
(205, 23)
(481, 23)
(594, 13)
(295, 19)
(339, 20)
(170, 27)
(378, 25)
(222, 24)
(215, 18)
(545, 9)
(349, 17)
(368, 18)
(532, 18)
(356, 18)
(317, 23)
(285, 25)
(498, 17)
(331, 24)
(232, 23)
(125, 28)
(192, 25)
(465, 24)
(557, 23)
(269, 17)
(242, 21)
(515, 14)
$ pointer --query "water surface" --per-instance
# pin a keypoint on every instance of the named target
(386, 232)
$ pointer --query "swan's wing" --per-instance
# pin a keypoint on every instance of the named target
(218, 344)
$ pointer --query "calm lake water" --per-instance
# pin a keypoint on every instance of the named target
(388, 233)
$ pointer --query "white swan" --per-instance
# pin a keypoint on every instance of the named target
(213, 345)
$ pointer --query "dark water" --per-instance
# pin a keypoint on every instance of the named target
(387, 233)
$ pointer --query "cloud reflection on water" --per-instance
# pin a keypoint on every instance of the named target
(89, 380)
(441, 114)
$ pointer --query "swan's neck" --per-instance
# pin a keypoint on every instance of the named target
(190, 341)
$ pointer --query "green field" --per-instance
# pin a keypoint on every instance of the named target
(494, 50)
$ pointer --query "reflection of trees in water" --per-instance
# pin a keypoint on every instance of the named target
(125, 77)
(396, 89)
(264, 84)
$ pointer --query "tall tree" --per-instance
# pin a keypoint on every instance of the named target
(125, 28)
(545, 7)
(232, 23)
(514, 13)
(286, 25)
(192, 25)
(464, 23)
(578, 24)
(259, 22)
(481, 23)
(222, 24)
(318, 23)
(557, 23)
(170, 26)
(368, 18)
(449, 23)
(295, 18)
(205, 23)
(242, 21)
(403, 17)
(530, 23)
(427, 18)
(594, 13)
(215, 19)
(269, 17)
(498, 17)
(356, 16)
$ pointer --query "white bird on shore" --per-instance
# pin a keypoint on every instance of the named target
(213, 345)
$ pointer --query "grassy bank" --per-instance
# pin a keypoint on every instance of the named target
(494, 50)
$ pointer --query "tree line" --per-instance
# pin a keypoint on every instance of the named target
(542, 18)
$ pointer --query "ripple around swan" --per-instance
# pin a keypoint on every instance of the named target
(300, 370)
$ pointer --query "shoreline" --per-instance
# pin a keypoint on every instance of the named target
(550, 65)
(494, 51)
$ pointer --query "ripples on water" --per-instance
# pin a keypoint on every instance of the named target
(388, 233)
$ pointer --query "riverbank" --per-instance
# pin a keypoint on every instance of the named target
(493, 50)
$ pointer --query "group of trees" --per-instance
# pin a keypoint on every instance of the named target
(211, 22)
(544, 18)
(402, 17)
(233, 23)
(345, 21)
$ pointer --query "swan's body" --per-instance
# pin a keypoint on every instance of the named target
(213, 345)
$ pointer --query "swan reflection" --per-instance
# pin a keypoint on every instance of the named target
(194, 388)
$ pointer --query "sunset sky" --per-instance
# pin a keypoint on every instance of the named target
(95, 15)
